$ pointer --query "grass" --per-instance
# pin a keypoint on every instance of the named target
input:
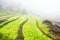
(10, 30)
(30, 30)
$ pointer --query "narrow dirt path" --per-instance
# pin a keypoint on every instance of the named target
(20, 34)
(8, 22)
(40, 28)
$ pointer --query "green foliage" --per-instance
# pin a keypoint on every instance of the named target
(30, 30)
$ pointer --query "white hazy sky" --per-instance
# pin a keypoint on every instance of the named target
(49, 9)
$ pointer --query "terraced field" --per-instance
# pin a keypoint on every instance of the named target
(15, 27)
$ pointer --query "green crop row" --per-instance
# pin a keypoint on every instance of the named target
(10, 30)
(30, 30)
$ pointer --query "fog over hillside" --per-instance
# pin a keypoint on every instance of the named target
(48, 9)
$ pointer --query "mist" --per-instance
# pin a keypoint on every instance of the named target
(47, 9)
